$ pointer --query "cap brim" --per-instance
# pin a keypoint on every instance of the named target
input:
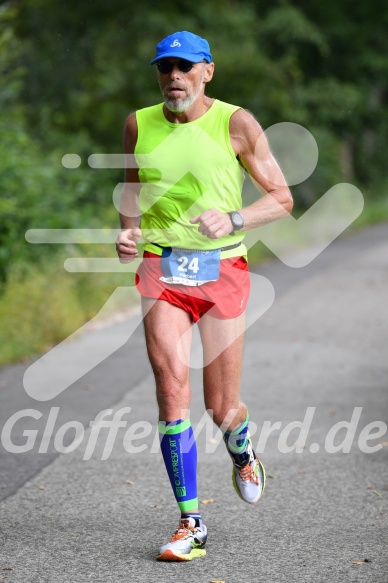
(187, 56)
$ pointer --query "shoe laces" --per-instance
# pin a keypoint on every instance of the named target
(248, 474)
(183, 530)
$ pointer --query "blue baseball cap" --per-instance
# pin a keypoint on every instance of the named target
(183, 45)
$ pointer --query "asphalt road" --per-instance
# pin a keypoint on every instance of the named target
(317, 357)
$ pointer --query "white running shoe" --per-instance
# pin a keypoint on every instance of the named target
(187, 542)
(249, 479)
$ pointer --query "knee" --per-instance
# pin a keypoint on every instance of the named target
(172, 392)
(169, 388)
(169, 379)
(224, 415)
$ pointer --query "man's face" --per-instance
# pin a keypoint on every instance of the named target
(180, 89)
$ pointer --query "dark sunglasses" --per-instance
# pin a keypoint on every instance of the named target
(166, 67)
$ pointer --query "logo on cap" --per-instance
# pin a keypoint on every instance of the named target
(176, 43)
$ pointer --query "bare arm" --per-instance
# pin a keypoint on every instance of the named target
(251, 147)
(129, 202)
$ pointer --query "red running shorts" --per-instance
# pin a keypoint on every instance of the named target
(226, 298)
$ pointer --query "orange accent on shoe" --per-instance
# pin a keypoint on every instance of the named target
(247, 474)
(169, 555)
(182, 531)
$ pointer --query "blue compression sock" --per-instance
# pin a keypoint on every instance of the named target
(180, 457)
(237, 442)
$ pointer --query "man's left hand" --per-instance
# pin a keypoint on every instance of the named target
(213, 224)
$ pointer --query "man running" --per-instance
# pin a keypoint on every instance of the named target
(184, 201)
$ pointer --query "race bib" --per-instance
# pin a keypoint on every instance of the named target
(190, 267)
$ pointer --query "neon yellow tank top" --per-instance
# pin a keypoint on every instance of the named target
(186, 169)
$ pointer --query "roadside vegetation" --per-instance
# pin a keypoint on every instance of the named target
(71, 72)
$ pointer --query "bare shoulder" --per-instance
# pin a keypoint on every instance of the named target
(244, 130)
(243, 120)
(130, 133)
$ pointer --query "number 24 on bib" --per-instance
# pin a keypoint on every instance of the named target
(190, 267)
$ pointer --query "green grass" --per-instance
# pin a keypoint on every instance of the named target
(375, 211)
(41, 307)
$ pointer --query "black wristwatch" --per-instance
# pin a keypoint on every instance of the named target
(237, 221)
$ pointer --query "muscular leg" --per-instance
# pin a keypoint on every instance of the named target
(164, 325)
(223, 339)
(223, 351)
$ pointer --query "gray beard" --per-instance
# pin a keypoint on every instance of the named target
(181, 105)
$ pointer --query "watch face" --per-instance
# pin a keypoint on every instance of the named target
(237, 220)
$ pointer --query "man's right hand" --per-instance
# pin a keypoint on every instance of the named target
(126, 244)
